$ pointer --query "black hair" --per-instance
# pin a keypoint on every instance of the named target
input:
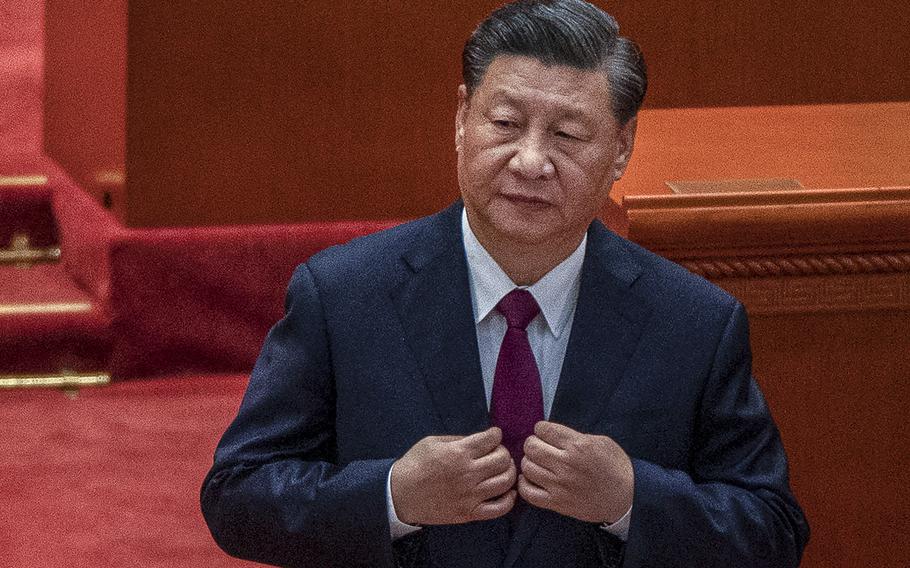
(561, 32)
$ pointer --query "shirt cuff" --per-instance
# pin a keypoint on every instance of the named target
(396, 527)
(620, 529)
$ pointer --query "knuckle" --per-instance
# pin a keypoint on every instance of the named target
(588, 443)
(526, 464)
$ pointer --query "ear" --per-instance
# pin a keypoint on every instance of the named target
(625, 141)
(460, 116)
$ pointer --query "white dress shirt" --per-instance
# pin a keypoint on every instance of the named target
(548, 333)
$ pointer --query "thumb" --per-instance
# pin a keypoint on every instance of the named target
(447, 438)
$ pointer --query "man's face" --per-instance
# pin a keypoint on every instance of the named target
(538, 151)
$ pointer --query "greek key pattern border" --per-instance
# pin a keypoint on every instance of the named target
(808, 294)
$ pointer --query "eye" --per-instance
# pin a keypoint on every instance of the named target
(565, 135)
(505, 123)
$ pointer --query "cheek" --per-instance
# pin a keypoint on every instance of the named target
(484, 165)
(587, 179)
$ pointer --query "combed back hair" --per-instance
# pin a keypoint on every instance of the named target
(561, 32)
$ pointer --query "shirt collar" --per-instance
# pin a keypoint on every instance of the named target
(555, 293)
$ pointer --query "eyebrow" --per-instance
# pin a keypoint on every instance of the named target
(573, 112)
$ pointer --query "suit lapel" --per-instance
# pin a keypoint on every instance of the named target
(608, 322)
(434, 305)
(609, 318)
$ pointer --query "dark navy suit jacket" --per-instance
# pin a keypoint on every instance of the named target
(378, 349)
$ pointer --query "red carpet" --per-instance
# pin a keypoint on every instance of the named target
(111, 478)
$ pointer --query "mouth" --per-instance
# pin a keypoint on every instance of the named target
(525, 200)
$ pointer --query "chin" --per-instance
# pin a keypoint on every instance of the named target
(524, 233)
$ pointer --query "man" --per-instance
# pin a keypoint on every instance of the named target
(507, 383)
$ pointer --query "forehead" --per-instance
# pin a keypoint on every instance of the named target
(528, 82)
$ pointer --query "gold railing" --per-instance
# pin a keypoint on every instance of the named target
(23, 180)
(62, 380)
(22, 253)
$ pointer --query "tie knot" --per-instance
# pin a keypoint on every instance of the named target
(519, 308)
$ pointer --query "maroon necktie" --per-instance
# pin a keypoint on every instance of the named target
(517, 401)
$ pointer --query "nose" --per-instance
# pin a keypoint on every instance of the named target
(531, 160)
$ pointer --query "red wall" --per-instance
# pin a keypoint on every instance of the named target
(240, 112)
(85, 91)
(20, 78)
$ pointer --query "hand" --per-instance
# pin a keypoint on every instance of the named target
(454, 479)
(583, 476)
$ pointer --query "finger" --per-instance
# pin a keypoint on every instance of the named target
(537, 496)
(482, 443)
(497, 485)
(538, 475)
(493, 463)
(495, 507)
(554, 434)
(543, 454)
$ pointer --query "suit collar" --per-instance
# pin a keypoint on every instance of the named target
(555, 292)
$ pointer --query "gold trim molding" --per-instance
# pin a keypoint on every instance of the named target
(23, 180)
(799, 265)
(29, 256)
(45, 308)
(22, 253)
(65, 380)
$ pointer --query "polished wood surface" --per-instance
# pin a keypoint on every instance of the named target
(821, 146)
(697, 226)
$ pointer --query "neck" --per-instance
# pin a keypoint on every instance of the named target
(526, 263)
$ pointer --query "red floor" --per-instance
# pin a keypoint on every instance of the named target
(111, 476)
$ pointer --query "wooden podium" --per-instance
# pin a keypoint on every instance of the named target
(825, 276)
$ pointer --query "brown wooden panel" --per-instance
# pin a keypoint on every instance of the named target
(838, 387)
(709, 53)
(241, 112)
(304, 111)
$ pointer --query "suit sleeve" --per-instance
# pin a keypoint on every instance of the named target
(733, 506)
(276, 493)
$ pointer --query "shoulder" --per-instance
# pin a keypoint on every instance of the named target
(376, 261)
(667, 286)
